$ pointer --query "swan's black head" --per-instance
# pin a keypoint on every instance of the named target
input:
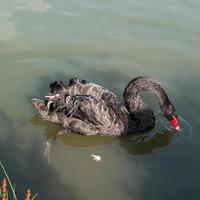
(169, 112)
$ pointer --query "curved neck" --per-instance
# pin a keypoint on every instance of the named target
(141, 84)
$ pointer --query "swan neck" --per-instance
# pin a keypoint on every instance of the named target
(138, 85)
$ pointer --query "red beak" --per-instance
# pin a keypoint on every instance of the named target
(174, 123)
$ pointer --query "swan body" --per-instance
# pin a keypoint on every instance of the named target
(82, 87)
(89, 109)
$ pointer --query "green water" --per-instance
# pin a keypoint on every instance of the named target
(107, 42)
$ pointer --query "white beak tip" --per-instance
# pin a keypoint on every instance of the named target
(178, 128)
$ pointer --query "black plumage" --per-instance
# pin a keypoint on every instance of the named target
(87, 108)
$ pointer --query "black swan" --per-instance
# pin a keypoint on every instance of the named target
(89, 109)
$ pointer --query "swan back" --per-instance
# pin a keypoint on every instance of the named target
(82, 87)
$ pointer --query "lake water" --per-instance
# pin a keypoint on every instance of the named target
(107, 42)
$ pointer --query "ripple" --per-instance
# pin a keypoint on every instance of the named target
(184, 124)
(36, 5)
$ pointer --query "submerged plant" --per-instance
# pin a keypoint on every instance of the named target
(4, 189)
(28, 195)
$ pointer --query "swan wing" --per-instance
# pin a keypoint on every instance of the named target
(93, 110)
(83, 87)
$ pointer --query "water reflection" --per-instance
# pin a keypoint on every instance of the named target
(145, 143)
(134, 144)
(71, 139)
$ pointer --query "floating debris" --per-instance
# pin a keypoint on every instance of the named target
(96, 157)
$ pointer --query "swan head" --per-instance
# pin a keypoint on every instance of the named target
(169, 112)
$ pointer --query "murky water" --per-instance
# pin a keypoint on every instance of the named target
(107, 42)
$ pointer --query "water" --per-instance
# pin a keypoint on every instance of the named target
(107, 42)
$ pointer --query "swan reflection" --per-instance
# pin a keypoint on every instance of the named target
(134, 144)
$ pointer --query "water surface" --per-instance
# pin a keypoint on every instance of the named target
(108, 43)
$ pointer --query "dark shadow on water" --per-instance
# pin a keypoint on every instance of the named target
(134, 144)
(70, 139)
(26, 167)
(146, 143)
(50, 129)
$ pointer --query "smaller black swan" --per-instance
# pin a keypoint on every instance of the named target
(89, 109)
